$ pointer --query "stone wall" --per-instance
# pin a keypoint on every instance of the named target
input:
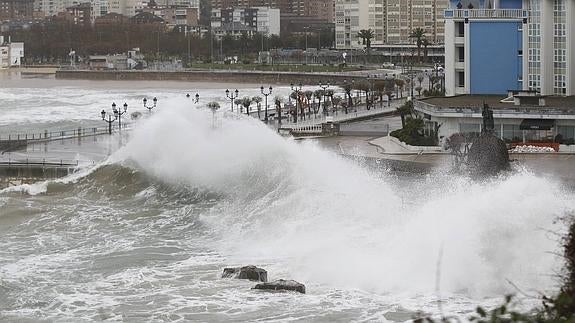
(255, 77)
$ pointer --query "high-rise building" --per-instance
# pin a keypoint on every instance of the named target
(392, 21)
(498, 45)
(235, 21)
(16, 9)
(321, 9)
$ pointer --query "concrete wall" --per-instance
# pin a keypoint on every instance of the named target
(210, 76)
(495, 66)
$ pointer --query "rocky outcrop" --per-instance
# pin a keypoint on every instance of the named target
(487, 155)
(282, 285)
(246, 272)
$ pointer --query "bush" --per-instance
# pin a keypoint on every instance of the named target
(412, 133)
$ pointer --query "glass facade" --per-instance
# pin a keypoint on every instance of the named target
(566, 134)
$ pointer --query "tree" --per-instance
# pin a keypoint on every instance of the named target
(318, 94)
(258, 101)
(278, 100)
(309, 96)
(405, 110)
(379, 87)
(419, 35)
(336, 101)
(246, 102)
(425, 43)
(365, 87)
(366, 36)
(399, 84)
(214, 106)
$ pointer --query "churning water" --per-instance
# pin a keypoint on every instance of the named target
(145, 235)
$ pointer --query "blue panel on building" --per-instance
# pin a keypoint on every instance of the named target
(511, 4)
(495, 64)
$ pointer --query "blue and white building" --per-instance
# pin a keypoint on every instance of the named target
(493, 46)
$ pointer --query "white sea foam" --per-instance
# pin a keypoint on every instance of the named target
(332, 222)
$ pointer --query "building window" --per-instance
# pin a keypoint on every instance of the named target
(461, 79)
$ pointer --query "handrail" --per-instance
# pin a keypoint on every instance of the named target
(41, 162)
(487, 13)
(59, 134)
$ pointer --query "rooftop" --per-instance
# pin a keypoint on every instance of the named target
(494, 102)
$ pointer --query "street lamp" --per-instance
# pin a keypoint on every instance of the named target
(150, 107)
(324, 88)
(119, 113)
(111, 118)
(266, 94)
(297, 90)
(197, 97)
(232, 97)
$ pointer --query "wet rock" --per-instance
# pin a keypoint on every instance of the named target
(280, 284)
(488, 155)
(247, 272)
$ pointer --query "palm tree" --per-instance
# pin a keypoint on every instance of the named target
(258, 101)
(366, 36)
(425, 43)
(214, 106)
(419, 35)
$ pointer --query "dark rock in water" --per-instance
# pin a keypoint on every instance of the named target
(247, 272)
(488, 155)
(281, 284)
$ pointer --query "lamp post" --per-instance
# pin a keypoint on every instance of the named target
(150, 107)
(111, 118)
(232, 97)
(324, 87)
(297, 89)
(197, 97)
(266, 94)
(119, 113)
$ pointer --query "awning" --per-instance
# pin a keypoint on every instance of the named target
(537, 124)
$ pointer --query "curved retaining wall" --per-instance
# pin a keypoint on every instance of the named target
(256, 77)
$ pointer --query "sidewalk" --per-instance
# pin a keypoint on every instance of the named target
(392, 146)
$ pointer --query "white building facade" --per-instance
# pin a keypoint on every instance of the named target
(11, 54)
(263, 20)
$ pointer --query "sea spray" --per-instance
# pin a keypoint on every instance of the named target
(330, 221)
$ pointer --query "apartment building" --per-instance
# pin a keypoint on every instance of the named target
(246, 20)
(391, 20)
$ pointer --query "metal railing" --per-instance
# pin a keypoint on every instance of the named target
(59, 134)
(487, 13)
(535, 111)
(42, 162)
(312, 129)
(339, 117)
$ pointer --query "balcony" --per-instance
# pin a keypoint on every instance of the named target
(486, 13)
